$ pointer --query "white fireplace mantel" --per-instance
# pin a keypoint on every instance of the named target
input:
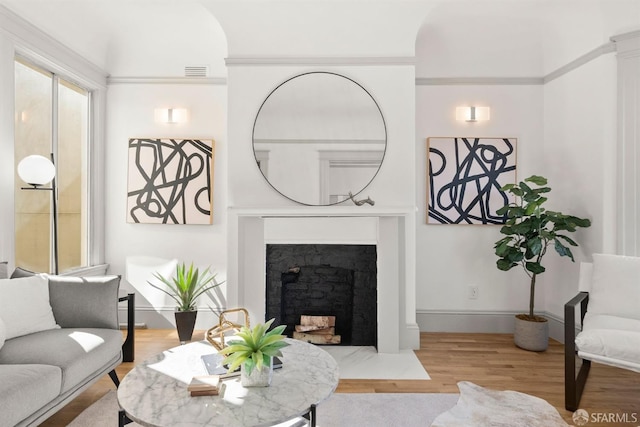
(391, 229)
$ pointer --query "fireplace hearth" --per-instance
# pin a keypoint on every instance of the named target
(324, 280)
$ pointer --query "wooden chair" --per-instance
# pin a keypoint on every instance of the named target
(609, 320)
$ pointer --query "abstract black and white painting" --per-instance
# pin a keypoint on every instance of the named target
(170, 181)
(465, 176)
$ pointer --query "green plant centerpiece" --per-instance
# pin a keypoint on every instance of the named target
(254, 353)
(185, 287)
(530, 229)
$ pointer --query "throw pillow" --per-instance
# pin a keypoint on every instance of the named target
(22, 272)
(25, 307)
(89, 302)
(615, 287)
(3, 333)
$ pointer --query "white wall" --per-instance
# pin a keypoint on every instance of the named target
(564, 128)
(480, 39)
(452, 257)
(130, 114)
(566, 131)
(580, 146)
(580, 140)
(393, 89)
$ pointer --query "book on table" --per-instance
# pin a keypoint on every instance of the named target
(204, 385)
(213, 365)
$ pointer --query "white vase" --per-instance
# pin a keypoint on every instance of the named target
(258, 377)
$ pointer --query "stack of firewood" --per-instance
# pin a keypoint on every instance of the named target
(317, 330)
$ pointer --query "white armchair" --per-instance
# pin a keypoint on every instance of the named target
(610, 321)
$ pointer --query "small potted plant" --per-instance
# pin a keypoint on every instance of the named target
(185, 288)
(254, 353)
(530, 229)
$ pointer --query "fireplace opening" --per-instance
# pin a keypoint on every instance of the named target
(318, 290)
(324, 280)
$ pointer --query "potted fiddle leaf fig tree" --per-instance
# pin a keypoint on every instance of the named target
(254, 353)
(529, 231)
(185, 287)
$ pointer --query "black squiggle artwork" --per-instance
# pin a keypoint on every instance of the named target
(169, 181)
(465, 177)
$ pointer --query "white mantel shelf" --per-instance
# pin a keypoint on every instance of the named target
(323, 211)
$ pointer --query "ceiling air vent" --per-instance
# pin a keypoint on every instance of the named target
(196, 70)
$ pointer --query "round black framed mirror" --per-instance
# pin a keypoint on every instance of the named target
(319, 136)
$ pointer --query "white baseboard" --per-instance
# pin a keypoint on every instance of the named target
(410, 337)
(497, 322)
(163, 318)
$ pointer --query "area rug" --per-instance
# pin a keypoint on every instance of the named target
(364, 362)
(480, 407)
(340, 410)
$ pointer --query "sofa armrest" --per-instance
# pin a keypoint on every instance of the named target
(90, 302)
(570, 320)
(574, 386)
(128, 349)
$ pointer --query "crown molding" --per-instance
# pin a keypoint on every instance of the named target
(39, 47)
(627, 44)
(581, 60)
(478, 81)
(626, 36)
(114, 80)
(321, 61)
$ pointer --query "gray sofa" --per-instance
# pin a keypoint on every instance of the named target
(43, 371)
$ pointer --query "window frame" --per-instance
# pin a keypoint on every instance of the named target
(94, 81)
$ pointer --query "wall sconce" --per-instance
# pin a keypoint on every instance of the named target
(38, 171)
(171, 115)
(472, 114)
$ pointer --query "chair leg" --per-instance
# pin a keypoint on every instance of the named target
(574, 385)
(114, 377)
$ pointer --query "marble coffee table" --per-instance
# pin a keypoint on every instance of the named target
(155, 392)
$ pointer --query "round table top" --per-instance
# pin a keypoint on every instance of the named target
(155, 392)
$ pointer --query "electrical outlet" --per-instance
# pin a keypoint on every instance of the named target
(473, 292)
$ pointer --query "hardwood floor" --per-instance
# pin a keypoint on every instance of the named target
(489, 360)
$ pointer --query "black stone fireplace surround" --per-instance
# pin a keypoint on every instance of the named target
(334, 280)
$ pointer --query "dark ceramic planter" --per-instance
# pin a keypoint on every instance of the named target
(185, 322)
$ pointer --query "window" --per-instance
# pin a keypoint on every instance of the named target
(52, 116)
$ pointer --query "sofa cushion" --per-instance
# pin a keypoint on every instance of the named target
(615, 288)
(26, 388)
(24, 305)
(90, 302)
(611, 340)
(79, 352)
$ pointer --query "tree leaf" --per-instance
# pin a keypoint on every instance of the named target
(566, 239)
(535, 245)
(563, 250)
(537, 180)
(535, 267)
(505, 265)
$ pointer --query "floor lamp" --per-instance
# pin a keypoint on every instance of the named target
(37, 171)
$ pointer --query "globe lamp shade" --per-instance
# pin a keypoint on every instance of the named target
(36, 170)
